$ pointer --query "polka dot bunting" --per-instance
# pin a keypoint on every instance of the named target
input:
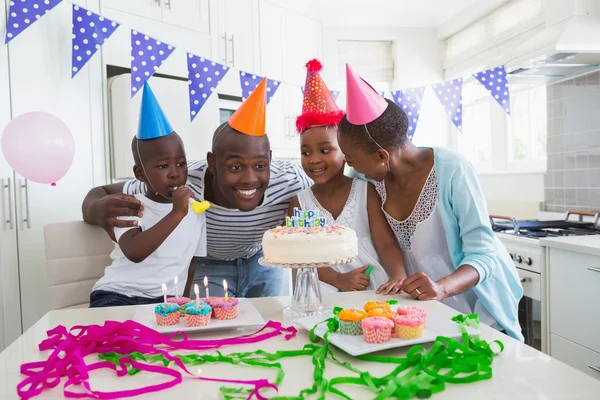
(147, 55)
(248, 83)
(449, 93)
(23, 13)
(410, 101)
(203, 78)
(496, 83)
(90, 31)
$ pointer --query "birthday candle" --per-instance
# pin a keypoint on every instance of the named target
(225, 288)
(197, 291)
(164, 290)
(176, 282)
(206, 286)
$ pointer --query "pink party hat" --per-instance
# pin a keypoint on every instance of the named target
(363, 103)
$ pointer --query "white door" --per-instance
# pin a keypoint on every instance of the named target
(238, 33)
(188, 14)
(10, 306)
(52, 91)
(144, 8)
(303, 42)
(292, 98)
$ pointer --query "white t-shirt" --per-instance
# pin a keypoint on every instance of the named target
(172, 258)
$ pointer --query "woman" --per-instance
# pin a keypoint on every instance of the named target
(432, 200)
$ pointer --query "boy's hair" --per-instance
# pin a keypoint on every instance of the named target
(388, 130)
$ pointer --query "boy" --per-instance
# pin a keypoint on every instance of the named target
(169, 235)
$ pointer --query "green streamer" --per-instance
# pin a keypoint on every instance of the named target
(420, 374)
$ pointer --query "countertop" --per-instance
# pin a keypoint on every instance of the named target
(580, 244)
(520, 372)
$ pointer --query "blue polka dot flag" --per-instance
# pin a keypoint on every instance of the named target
(249, 81)
(23, 13)
(496, 83)
(334, 93)
(90, 31)
(382, 94)
(302, 89)
(203, 78)
(449, 93)
(410, 101)
(147, 55)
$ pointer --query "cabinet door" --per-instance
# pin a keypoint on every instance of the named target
(144, 8)
(272, 32)
(576, 356)
(73, 101)
(238, 33)
(188, 14)
(10, 307)
(303, 43)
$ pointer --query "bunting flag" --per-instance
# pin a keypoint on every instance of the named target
(496, 83)
(203, 78)
(90, 31)
(249, 81)
(410, 101)
(147, 55)
(382, 94)
(302, 89)
(449, 94)
(23, 13)
(334, 93)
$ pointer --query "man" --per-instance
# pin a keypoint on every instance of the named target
(248, 193)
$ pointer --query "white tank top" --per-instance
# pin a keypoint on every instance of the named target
(423, 241)
(355, 216)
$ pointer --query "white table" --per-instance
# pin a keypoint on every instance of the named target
(520, 372)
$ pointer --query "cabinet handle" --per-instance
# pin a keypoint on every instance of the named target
(525, 280)
(27, 219)
(593, 368)
(9, 220)
(157, 3)
(168, 3)
(225, 60)
(593, 269)
(232, 50)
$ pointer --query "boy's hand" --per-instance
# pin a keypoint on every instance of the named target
(354, 280)
(181, 201)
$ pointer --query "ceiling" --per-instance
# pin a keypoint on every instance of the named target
(396, 13)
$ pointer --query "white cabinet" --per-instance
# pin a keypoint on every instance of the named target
(575, 355)
(238, 35)
(304, 41)
(188, 14)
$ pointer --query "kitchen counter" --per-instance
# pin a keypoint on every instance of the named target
(579, 244)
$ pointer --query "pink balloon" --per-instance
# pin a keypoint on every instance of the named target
(38, 146)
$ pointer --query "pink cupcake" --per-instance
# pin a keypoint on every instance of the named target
(377, 329)
(409, 326)
(418, 311)
(225, 308)
(181, 302)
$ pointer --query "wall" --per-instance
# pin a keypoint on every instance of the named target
(573, 178)
(517, 195)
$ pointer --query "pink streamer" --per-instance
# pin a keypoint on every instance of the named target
(123, 338)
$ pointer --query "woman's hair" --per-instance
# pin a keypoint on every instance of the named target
(387, 131)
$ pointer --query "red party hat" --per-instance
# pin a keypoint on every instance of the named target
(318, 107)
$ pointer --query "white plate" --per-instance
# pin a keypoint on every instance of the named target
(248, 316)
(356, 345)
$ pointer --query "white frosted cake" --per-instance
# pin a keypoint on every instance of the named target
(309, 245)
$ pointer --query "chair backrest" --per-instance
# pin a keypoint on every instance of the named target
(76, 256)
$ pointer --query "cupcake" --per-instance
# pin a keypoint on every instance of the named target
(181, 302)
(197, 314)
(371, 305)
(225, 308)
(382, 312)
(350, 321)
(409, 326)
(377, 329)
(167, 314)
(418, 311)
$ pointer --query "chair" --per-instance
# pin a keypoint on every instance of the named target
(76, 256)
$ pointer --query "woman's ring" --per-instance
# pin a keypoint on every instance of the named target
(418, 292)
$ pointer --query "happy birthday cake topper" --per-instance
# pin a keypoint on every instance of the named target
(305, 218)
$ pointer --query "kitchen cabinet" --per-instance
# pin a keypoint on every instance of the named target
(576, 356)
(303, 42)
(189, 14)
(238, 35)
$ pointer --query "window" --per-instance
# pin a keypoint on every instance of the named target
(526, 128)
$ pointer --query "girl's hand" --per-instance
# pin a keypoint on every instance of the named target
(393, 286)
(422, 287)
(354, 280)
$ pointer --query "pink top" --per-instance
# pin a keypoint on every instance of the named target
(178, 300)
(376, 323)
(220, 302)
(412, 310)
(408, 320)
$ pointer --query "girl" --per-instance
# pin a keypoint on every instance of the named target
(342, 200)
(432, 200)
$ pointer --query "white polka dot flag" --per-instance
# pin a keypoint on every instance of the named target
(90, 31)
(23, 13)
(203, 78)
(249, 82)
(450, 95)
(410, 101)
(147, 55)
(496, 83)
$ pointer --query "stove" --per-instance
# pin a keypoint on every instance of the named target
(536, 229)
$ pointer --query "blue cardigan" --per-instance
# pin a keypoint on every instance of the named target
(471, 240)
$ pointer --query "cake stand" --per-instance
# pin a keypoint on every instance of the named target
(307, 291)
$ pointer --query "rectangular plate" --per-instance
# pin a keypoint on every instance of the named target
(356, 345)
(248, 316)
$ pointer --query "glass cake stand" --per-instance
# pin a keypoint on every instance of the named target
(307, 291)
